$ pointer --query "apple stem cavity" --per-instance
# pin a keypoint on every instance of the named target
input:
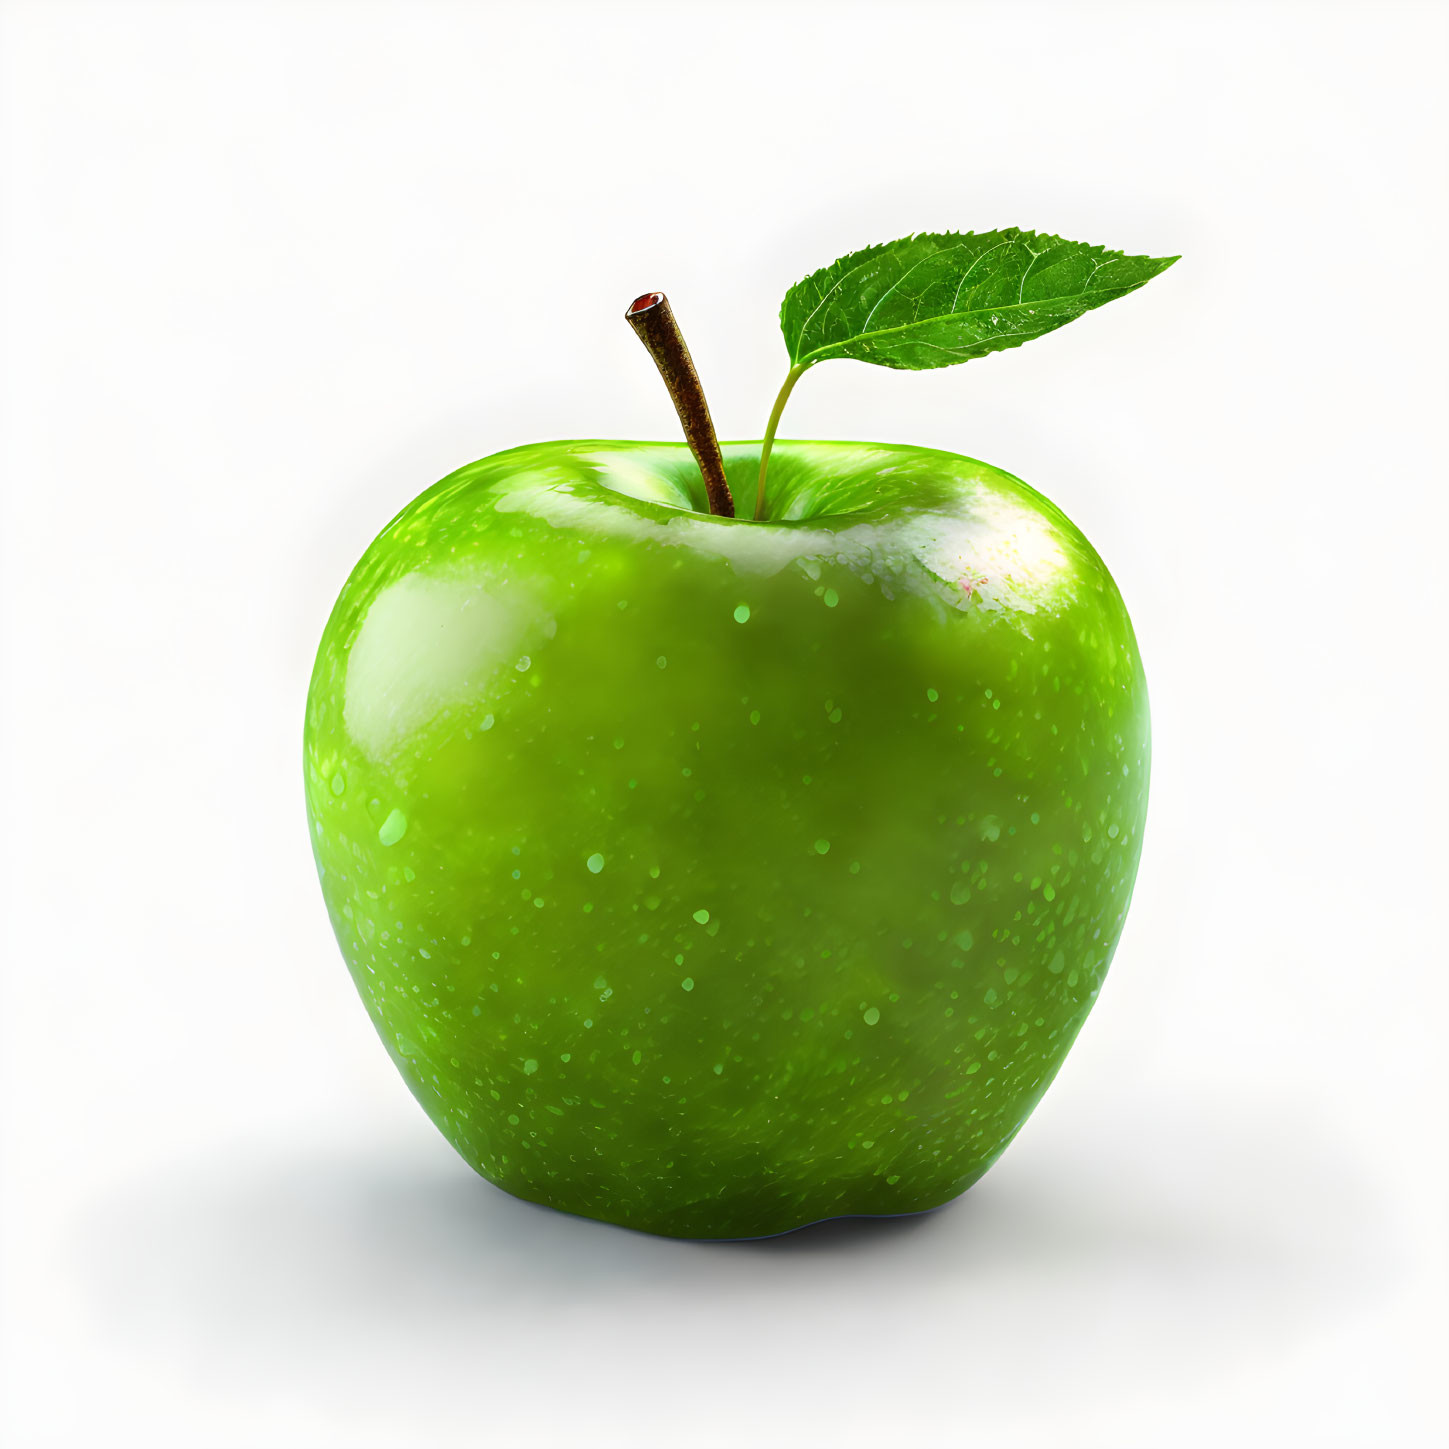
(781, 399)
(652, 318)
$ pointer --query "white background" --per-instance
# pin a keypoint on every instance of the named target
(269, 270)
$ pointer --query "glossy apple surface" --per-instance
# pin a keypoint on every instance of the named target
(712, 876)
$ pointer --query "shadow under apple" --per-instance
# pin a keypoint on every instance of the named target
(337, 1274)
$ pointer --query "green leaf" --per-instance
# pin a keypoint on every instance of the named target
(938, 298)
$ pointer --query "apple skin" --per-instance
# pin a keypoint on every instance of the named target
(713, 923)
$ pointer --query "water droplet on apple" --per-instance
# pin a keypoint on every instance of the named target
(687, 984)
(393, 828)
(822, 847)
(871, 1015)
(831, 598)
(702, 917)
(595, 863)
(339, 783)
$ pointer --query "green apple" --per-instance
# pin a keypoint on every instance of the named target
(716, 875)
(712, 875)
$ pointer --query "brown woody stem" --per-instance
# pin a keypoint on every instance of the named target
(650, 316)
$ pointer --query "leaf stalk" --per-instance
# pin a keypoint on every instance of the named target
(781, 399)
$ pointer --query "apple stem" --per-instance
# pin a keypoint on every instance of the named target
(780, 401)
(652, 318)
